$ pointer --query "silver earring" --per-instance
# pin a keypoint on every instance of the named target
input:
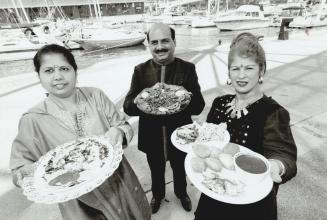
(229, 81)
(260, 80)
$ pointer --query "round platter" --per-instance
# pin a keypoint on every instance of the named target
(72, 169)
(188, 147)
(163, 99)
(250, 194)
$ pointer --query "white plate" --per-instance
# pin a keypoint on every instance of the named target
(251, 193)
(37, 187)
(188, 147)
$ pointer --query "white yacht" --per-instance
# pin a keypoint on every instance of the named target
(316, 17)
(244, 17)
(292, 12)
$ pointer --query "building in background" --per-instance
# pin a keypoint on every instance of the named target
(28, 10)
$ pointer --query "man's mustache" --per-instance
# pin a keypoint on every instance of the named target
(162, 50)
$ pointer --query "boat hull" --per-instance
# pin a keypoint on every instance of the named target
(233, 25)
(94, 44)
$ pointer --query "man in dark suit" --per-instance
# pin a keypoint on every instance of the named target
(155, 131)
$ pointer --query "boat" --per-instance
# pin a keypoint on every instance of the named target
(316, 17)
(24, 40)
(291, 12)
(105, 38)
(201, 19)
(244, 17)
(203, 22)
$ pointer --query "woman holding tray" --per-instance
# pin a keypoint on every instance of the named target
(66, 114)
(254, 121)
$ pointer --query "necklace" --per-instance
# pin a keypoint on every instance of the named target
(238, 109)
(75, 120)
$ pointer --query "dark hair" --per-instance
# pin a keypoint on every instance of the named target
(172, 34)
(53, 48)
(29, 29)
(247, 45)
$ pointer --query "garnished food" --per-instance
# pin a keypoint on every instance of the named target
(212, 132)
(163, 99)
(66, 164)
(187, 133)
(217, 169)
(193, 133)
(72, 169)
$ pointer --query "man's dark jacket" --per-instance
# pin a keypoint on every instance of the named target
(179, 72)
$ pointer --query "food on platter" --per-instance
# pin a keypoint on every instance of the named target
(163, 99)
(72, 169)
(215, 152)
(227, 160)
(231, 149)
(252, 168)
(198, 164)
(214, 164)
(212, 132)
(222, 184)
(64, 179)
(187, 133)
(231, 184)
(218, 172)
(251, 164)
(68, 162)
(185, 136)
(201, 150)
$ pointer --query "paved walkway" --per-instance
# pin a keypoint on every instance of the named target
(296, 78)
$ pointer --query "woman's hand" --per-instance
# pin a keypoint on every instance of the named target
(275, 170)
(21, 173)
(115, 136)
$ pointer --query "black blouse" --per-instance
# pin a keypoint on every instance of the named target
(265, 129)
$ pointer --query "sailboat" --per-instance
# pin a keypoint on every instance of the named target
(31, 38)
(100, 36)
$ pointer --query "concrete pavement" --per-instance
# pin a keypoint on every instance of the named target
(296, 78)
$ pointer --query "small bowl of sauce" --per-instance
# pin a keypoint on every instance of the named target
(251, 167)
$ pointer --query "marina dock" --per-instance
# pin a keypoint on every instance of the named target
(296, 78)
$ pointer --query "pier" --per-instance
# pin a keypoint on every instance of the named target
(296, 77)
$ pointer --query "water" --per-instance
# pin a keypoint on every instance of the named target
(186, 38)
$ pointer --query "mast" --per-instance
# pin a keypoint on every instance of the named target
(17, 12)
(99, 9)
(24, 11)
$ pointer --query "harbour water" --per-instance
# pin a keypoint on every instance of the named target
(186, 38)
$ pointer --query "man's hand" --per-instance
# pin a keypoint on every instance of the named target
(115, 136)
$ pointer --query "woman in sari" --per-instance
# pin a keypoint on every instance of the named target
(254, 121)
(67, 113)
